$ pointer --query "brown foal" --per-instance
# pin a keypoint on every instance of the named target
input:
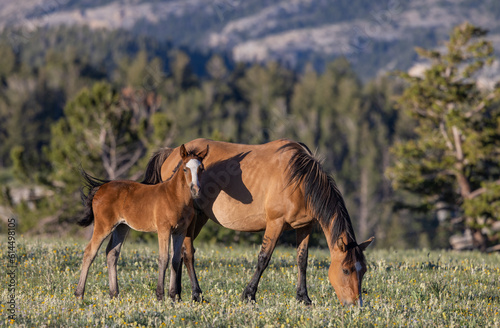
(165, 208)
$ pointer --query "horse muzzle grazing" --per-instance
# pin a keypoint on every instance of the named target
(353, 302)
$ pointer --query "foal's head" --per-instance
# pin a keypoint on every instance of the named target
(347, 270)
(193, 168)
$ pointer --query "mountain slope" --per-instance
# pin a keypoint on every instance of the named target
(375, 37)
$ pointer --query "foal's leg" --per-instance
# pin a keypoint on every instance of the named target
(164, 243)
(177, 240)
(273, 231)
(112, 254)
(100, 233)
(188, 257)
(303, 235)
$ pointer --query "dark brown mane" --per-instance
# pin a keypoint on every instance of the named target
(192, 152)
(175, 170)
(153, 169)
(323, 197)
(156, 162)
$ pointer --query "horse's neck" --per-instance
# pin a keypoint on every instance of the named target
(331, 243)
(178, 186)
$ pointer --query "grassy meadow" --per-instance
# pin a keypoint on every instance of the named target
(401, 289)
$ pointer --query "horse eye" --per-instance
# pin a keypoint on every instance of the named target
(346, 272)
(185, 170)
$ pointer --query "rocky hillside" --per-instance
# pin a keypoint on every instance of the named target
(374, 36)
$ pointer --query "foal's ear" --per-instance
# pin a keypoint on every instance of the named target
(341, 245)
(183, 151)
(202, 154)
(365, 244)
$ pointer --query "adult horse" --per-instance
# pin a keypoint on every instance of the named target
(166, 208)
(273, 187)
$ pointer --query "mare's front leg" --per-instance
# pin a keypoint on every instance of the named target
(188, 257)
(271, 235)
(303, 235)
(163, 243)
(112, 254)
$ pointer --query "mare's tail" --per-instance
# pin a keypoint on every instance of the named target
(153, 170)
(92, 185)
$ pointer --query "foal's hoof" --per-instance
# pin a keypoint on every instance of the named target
(198, 298)
(175, 297)
(159, 297)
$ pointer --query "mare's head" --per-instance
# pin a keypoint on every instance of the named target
(347, 269)
(193, 168)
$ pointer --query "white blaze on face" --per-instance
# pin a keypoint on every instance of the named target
(358, 272)
(193, 165)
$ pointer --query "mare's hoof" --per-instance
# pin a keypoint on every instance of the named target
(79, 296)
(304, 299)
(248, 296)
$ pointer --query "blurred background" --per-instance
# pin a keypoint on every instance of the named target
(398, 98)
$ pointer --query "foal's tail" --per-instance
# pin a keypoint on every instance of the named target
(153, 170)
(92, 185)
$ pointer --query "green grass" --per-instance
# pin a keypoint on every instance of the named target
(401, 288)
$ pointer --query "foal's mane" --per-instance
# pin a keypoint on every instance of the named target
(190, 153)
(153, 169)
(322, 196)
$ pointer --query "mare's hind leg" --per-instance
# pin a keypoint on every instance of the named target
(100, 233)
(163, 243)
(112, 254)
(303, 235)
(273, 231)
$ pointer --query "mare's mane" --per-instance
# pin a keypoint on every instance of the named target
(323, 198)
(153, 169)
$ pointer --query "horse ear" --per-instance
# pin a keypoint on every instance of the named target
(365, 244)
(202, 154)
(183, 151)
(341, 245)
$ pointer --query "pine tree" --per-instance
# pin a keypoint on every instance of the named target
(108, 133)
(454, 157)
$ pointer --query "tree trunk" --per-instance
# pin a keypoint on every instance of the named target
(363, 204)
(479, 240)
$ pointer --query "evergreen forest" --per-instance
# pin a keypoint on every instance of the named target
(416, 157)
